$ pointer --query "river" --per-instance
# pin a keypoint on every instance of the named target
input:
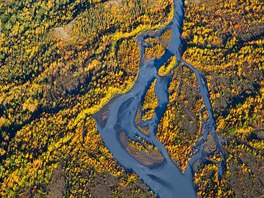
(117, 124)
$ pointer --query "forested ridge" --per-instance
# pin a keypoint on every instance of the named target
(61, 61)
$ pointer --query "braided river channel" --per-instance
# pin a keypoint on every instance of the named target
(117, 121)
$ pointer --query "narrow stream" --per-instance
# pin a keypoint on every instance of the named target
(117, 123)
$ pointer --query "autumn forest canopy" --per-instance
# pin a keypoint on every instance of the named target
(62, 60)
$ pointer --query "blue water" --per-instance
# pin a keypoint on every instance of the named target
(118, 117)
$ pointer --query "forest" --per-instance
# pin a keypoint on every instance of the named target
(61, 61)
